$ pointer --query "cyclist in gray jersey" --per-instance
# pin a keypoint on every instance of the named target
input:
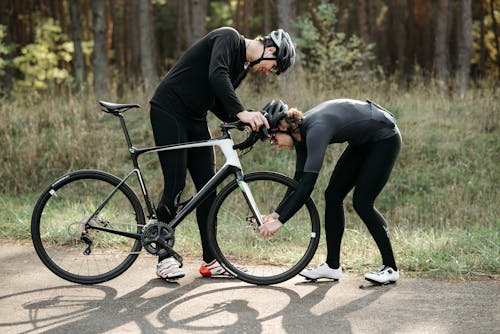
(373, 141)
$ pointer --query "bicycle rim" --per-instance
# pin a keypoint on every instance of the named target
(59, 219)
(240, 248)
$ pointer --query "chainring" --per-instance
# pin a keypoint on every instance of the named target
(155, 232)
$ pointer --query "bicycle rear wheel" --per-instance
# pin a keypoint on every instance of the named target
(235, 238)
(65, 236)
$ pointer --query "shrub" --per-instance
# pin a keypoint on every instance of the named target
(46, 60)
(332, 58)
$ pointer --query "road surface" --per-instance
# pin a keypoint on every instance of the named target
(33, 300)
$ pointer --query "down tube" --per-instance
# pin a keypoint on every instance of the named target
(216, 180)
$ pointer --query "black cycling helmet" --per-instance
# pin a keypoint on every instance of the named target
(275, 111)
(285, 53)
(285, 50)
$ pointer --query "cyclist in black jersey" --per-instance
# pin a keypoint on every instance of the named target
(373, 141)
(205, 79)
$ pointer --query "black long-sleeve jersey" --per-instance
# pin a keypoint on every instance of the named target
(334, 121)
(206, 76)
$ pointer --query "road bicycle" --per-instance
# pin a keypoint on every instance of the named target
(89, 226)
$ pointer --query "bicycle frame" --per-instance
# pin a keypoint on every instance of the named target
(232, 165)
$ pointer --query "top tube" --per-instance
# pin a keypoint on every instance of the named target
(118, 109)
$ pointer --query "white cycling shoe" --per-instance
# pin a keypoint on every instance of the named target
(322, 271)
(384, 275)
(169, 269)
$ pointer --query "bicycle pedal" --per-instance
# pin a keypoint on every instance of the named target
(320, 279)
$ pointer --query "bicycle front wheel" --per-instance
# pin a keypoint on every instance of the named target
(235, 239)
(65, 231)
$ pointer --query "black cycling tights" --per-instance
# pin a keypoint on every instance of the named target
(168, 128)
(366, 168)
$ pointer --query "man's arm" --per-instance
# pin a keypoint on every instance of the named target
(223, 51)
(220, 82)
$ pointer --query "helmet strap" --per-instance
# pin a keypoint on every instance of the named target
(255, 62)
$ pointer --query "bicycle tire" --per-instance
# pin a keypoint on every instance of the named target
(236, 241)
(59, 217)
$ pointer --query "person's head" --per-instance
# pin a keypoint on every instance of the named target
(284, 124)
(278, 53)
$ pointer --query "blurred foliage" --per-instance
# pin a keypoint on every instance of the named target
(331, 55)
(4, 50)
(47, 59)
(222, 14)
(489, 39)
(332, 58)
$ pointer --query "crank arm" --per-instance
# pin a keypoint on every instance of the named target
(171, 251)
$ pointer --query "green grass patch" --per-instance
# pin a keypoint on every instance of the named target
(453, 253)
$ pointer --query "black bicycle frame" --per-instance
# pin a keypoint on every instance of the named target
(232, 166)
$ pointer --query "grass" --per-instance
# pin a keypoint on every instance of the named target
(441, 201)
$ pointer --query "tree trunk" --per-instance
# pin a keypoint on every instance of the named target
(118, 43)
(99, 55)
(183, 35)
(410, 41)
(133, 38)
(442, 42)
(148, 68)
(287, 13)
(7, 19)
(480, 70)
(247, 9)
(363, 26)
(267, 18)
(237, 15)
(198, 19)
(109, 28)
(76, 30)
(186, 15)
(423, 35)
(362, 20)
(464, 45)
(398, 28)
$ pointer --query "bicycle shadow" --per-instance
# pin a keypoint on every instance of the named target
(225, 306)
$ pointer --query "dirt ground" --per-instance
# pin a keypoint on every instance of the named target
(33, 300)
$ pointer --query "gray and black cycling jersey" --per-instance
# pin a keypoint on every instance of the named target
(339, 121)
(333, 121)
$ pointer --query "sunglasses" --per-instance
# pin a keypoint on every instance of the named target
(273, 69)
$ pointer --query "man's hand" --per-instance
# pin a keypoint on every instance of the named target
(253, 118)
(270, 227)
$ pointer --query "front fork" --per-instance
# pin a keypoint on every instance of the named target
(247, 193)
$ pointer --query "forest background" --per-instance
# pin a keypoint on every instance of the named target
(434, 63)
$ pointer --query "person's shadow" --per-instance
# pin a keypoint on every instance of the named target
(299, 316)
(228, 308)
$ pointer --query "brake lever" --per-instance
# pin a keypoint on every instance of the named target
(265, 132)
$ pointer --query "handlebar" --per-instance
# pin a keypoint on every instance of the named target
(262, 134)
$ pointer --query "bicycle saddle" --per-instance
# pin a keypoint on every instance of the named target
(117, 107)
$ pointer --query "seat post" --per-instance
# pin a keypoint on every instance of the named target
(124, 128)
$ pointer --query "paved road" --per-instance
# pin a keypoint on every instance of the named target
(33, 300)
